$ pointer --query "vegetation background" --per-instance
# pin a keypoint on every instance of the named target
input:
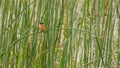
(80, 34)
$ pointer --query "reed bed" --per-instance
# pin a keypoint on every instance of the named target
(79, 34)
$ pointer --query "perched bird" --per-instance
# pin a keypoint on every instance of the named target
(42, 26)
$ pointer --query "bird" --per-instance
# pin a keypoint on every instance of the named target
(42, 27)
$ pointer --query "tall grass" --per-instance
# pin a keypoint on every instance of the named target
(79, 34)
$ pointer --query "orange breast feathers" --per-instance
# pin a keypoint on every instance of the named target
(42, 27)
